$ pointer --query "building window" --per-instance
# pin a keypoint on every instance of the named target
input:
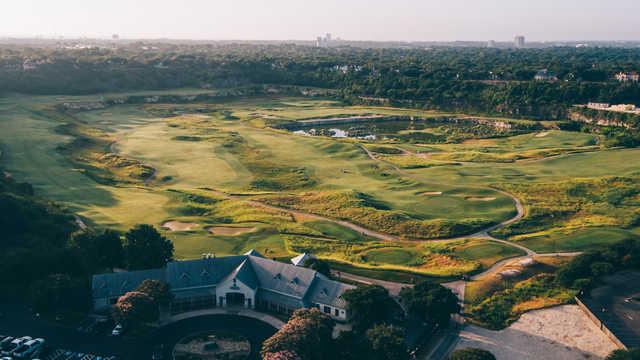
(327, 310)
(249, 303)
(336, 312)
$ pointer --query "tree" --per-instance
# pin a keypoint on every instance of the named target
(158, 290)
(471, 354)
(60, 293)
(601, 269)
(352, 346)
(631, 354)
(281, 355)
(145, 248)
(387, 343)
(368, 305)
(318, 265)
(430, 302)
(101, 251)
(307, 334)
(136, 308)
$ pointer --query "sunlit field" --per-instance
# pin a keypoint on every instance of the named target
(209, 168)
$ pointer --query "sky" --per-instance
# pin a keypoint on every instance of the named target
(382, 20)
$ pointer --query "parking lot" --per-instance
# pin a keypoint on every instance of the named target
(18, 321)
(28, 348)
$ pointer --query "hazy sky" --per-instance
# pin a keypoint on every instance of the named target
(305, 19)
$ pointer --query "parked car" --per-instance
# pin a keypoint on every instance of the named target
(118, 330)
(5, 342)
(15, 344)
(29, 349)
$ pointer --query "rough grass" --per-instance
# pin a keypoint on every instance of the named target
(504, 307)
(228, 146)
(558, 213)
(372, 213)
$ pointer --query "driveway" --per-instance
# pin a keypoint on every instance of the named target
(254, 330)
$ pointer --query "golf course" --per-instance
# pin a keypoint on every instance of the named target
(369, 188)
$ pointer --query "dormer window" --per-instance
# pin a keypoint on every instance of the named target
(184, 276)
(204, 273)
(295, 281)
(278, 276)
(324, 291)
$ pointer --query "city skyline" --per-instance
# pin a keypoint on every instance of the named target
(402, 20)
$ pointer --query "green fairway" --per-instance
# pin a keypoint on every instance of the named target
(581, 240)
(393, 256)
(196, 151)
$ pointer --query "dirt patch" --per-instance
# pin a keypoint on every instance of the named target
(431, 193)
(542, 134)
(179, 226)
(561, 333)
(474, 198)
(230, 230)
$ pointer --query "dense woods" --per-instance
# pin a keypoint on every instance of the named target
(47, 258)
(476, 80)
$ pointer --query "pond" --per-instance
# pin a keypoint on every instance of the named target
(405, 129)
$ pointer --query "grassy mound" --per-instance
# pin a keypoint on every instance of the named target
(365, 210)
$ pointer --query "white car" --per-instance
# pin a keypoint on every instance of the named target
(118, 330)
(15, 344)
(29, 348)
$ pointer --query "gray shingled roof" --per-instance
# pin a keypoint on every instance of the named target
(329, 292)
(288, 301)
(116, 284)
(289, 283)
(245, 274)
(202, 272)
(283, 278)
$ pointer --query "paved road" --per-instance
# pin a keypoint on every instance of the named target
(393, 287)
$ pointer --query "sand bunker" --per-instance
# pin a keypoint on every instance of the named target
(229, 230)
(473, 198)
(178, 226)
(542, 134)
(431, 193)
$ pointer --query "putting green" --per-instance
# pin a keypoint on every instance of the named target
(228, 147)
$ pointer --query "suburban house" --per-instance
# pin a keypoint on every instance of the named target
(545, 75)
(249, 281)
(628, 77)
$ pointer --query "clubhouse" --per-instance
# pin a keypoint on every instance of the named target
(249, 281)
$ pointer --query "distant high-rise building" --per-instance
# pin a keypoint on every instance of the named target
(491, 44)
(328, 38)
(115, 37)
(519, 41)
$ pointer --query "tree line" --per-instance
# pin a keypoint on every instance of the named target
(45, 256)
(475, 80)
